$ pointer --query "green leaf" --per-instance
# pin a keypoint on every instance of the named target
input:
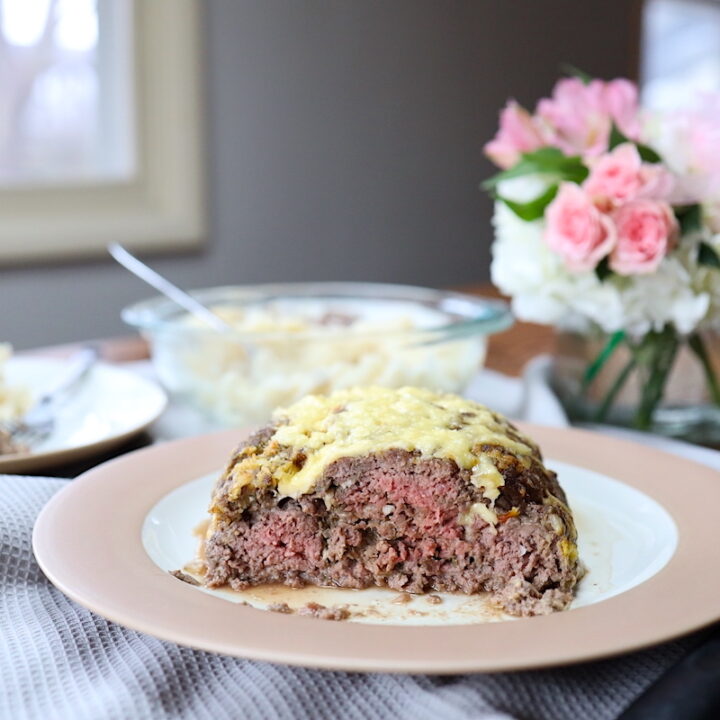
(707, 255)
(690, 218)
(544, 161)
(575, 72)
(534, 209)
(530, 163)
(648, 154)
(617, 137)
(603, 270)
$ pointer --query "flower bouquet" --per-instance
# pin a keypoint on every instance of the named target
(607, 225)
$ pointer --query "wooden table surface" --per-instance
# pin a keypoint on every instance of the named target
(507, 353)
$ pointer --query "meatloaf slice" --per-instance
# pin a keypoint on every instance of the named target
(406, 489)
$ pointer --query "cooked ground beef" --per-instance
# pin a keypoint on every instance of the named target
(324, 613)
(280, 608)
(400, 520)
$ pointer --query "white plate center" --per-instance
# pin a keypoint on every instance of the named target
(625, 537)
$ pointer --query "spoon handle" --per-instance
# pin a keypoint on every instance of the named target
(164, 286)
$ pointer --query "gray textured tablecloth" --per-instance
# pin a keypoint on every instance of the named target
(60, 661)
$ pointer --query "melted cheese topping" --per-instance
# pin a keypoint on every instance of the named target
(361, 421)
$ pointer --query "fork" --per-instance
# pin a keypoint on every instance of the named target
(39, 421)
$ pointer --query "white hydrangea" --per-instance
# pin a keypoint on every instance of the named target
(665, 296)
(544, 291)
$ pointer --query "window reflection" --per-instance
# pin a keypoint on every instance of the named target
(680, 51)
(55, 85)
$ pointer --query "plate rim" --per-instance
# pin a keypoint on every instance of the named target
(17, 463)
(645, 615)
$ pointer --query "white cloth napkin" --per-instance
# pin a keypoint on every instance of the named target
(60, 661)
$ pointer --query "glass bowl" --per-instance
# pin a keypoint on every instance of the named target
(289, 340)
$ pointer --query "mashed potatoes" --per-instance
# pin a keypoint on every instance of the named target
(283, 351)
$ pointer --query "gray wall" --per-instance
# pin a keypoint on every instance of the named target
(345, 142)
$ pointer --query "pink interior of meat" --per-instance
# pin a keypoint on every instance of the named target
(393, 520)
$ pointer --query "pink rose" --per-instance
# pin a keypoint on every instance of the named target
(621, 175)
(576, 230)
(518, 133)
(697, 133)
(578, 117)
(706, 145)
(646, 232)
(620, 102)
(658, 182)
(689, 140)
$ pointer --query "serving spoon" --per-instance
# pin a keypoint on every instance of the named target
(168, 289)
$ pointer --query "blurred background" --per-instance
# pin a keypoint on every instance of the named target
(245, 141)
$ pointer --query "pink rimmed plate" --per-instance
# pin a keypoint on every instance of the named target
(109, 539)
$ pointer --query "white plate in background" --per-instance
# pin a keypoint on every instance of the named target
(107, 408)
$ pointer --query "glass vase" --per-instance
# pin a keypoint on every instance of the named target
(664, 383)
